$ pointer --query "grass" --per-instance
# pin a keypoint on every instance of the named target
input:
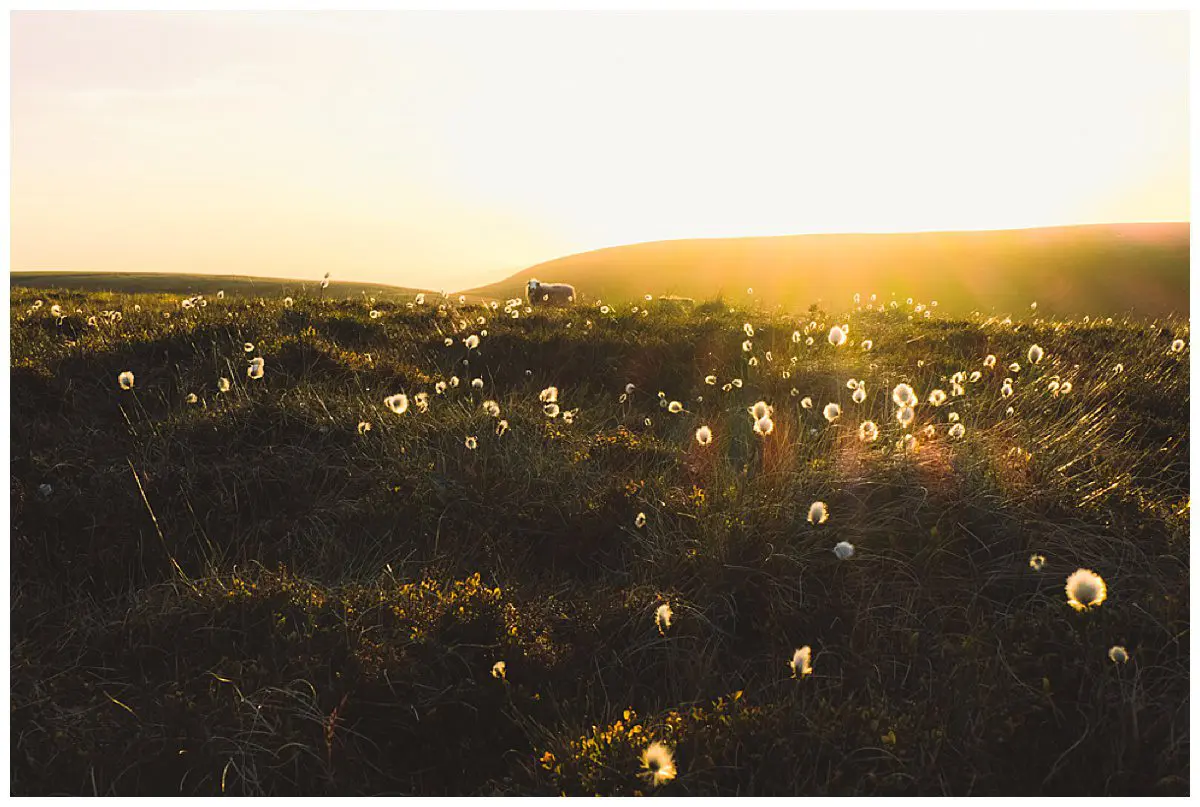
(249, 595)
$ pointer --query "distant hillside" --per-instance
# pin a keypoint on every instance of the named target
(169, 283)
(1107, 268)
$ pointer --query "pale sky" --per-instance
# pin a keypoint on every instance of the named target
(447, 150)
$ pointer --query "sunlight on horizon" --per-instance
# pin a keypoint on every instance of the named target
(449, 150)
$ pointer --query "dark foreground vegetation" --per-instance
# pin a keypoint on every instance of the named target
(252, 592)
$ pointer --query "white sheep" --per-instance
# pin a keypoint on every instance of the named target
(550, 293)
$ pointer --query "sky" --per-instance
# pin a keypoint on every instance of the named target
(449, 150)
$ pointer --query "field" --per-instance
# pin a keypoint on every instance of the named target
(181, 284)
(291, 587)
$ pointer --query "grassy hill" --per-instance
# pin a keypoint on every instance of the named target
(1104, 269)
(290, 587)
(209, 285)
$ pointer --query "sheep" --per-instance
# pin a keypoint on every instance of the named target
(550, 293)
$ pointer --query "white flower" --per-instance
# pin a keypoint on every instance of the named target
(837, 336)
(222, 384)
(747, 346)
(471, 443)
(818, 513)
(844, 550)
(492, 408)
(56, 310)
(904, 395)
(852, 384)
(1036, 562)
(1176, 347)
(499, 670)
(255, 370)
(796, 337)
(549, 395)
(867, 344)
(761, 410)
(764, 426)
(806, 402)
(749, 329)
(657, 760)
(288, 302)
(472, 342)
(453, 381)
(1014, 367)
(477, 383)
(1085, 589)
(957, 431)
(868, 432)
(989, 361)
(905, 415)
(1035, 354)
(420, 299)
(860, 394)
(704, 435)
(832, 412)
(248, 347)
(662, 617)
(551, 410)
(675, 407)
(639, 521)
(629, 388)
(801, 662)
(937, 397)
(397, 403)
(125, 379)
(737, 382)
(1118, 654)
(710, 380)
(191, 398)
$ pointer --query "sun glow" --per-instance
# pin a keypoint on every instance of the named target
(451, 149)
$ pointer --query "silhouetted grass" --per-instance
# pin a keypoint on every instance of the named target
(248, 595)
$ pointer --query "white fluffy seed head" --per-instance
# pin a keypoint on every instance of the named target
(801, 662)
(1085, 589)
(832, 412)
(903, 395)
(398, 403)
(844, 550)
(818, 513)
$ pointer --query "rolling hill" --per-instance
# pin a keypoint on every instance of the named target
(1103, 268)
